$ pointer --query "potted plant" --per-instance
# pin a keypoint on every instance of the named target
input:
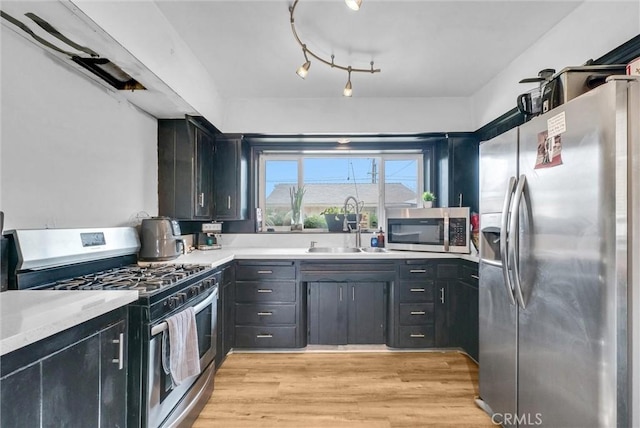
(427, 199)
(334, 217)
(296, 196)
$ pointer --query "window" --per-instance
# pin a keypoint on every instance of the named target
(379, 180)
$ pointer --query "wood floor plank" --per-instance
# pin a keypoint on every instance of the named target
(359, 389)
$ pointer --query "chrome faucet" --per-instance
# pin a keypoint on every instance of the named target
(346, 227)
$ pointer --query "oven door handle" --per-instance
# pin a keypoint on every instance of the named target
(157, 329)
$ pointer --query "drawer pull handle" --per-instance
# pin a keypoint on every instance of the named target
(417, 335)
(265, 314)
(418, 271)
(417, 290)
(417, 312)
(264, 336)
(265, 272)
(475, 277)
(265, 290)
(120, 360)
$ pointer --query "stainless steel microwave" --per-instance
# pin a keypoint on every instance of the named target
(428, 229)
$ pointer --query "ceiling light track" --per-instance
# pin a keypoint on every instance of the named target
(303, 70)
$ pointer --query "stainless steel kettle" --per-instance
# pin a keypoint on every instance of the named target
(160, 239)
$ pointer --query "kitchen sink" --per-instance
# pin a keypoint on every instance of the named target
(333, 250)
(373, 250)
(346, 250)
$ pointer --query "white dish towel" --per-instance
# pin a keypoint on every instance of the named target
(183, 355)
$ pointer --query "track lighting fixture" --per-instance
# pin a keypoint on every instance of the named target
(354, 4)
(303, 70)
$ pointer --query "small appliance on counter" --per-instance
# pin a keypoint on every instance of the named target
(211, 237)
(160, 239)
(443, 230)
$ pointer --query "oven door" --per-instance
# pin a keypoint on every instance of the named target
(162, 397)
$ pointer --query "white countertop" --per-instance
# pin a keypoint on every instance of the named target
(221, 256)
(27, 316)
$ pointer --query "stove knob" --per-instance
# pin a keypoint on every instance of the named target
(170, 303)
(182, 297)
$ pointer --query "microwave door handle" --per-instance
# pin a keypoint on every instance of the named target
(446, 231)
(504, 239)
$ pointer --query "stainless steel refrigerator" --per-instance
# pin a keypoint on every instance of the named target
(559, 265)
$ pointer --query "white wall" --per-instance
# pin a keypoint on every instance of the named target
(592, 30)
(73, 154)
(363, 115)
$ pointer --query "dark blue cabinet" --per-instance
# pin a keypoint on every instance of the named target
(75, 378)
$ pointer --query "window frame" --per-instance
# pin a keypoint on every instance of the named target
(418, 156)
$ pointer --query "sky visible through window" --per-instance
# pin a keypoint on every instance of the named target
(334, 170)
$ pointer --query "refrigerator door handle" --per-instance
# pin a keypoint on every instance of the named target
(513, 239)
(503, 239)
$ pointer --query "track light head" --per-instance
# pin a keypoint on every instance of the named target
(303, 70)
(348, 91)
(354, 4)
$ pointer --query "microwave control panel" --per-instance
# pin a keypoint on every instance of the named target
(458, 232)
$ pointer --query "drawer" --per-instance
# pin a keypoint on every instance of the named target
(416, 336)
(265, 337)
(416, 291)
(265, 314)
(265, 272)
(259, 292)
(421, 271)
(416, 313)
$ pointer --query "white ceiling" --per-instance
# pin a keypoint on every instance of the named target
(424, 48)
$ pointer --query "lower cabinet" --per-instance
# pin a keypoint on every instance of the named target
(435, 304)
(268, 305)
(341, 313)
(75, 378)
(226, 314)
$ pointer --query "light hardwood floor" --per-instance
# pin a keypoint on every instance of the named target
(356, 389)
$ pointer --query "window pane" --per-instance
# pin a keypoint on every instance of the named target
(329, 181)
(401, 183)
(280, 176)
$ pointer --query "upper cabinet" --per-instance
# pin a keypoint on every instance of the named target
(185, 169)
(231, 189)
(457, 171)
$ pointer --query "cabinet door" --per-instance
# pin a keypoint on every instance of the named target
(71, 386)
(327, 313)
(113, 372)
(442, 333)
(227, 170)
(203, 175)
(366, 309)
(21, 392)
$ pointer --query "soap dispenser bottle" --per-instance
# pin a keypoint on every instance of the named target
(380, 238)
